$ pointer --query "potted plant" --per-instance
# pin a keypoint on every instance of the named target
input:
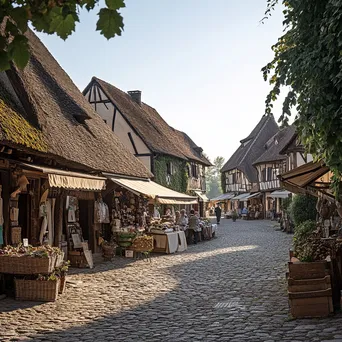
(234, 215)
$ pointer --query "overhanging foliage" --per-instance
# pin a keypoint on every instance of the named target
(49, 16)
(308, 61)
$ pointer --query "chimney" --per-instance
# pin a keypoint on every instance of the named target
(136, 96)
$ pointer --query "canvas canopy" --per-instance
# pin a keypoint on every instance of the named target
(154, 191)
(68, 179)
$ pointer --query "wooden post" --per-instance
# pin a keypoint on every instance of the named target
(59, 207)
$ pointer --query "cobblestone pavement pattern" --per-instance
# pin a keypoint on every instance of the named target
(231, 288)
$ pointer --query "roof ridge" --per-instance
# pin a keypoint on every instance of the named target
(254, 139)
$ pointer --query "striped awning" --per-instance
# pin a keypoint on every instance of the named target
(68, 179)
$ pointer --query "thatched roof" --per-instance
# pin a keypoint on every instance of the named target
(190, 149)
(149, 125)
(52, 109)
(251, 148)
(275, 145)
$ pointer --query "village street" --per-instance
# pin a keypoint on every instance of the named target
(231, 288)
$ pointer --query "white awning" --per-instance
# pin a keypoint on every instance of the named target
(203, 197)
(279, 194)
(154, 191)
(68, 179)
(254, 195)
(224, 197)
(241, 197)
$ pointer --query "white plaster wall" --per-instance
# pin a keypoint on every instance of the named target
(300, 159)
(106, 113)
(146, 161)
(121, 127)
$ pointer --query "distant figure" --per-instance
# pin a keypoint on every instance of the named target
(244, 211)
(193, 226)
(183, 219)
(218, 213)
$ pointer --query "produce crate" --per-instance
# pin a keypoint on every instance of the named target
(307, 270)
(27, 264)
(79, 261)
(308, 285)
(319, 306)
(37, 290)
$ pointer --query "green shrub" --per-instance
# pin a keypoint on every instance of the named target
(303, 250)
(303, 208)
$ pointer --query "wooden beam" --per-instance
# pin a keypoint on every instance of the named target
(100, 97)
(132, 142)
(114, 117)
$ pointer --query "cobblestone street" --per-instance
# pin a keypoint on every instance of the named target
(231, 288)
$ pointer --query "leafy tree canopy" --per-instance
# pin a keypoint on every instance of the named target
(49, 16)
(213, 177)
(308, 61)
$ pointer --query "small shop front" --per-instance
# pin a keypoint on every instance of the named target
(144, 210)
(47, 207)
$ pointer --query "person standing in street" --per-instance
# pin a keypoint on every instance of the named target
(193, 226)
(218, 213)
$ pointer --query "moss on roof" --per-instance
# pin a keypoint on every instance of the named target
(19, 131)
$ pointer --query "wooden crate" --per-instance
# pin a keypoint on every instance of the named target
(310, 294)
(311, 307)
(79, 261)
(307, 285)
(307, 270)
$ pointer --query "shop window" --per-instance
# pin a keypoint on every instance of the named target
(263, 175)
(194, 171)
(169, 168)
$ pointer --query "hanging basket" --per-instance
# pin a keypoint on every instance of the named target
(37, 290)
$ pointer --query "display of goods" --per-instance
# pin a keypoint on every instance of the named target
(30, 260)
(37, 252)
(37, 290)
(143, 243)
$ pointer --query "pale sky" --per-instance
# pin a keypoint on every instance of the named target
(196, 61)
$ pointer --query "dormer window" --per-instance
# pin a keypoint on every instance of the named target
(245, 143)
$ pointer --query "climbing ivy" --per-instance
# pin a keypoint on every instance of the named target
(179, 178)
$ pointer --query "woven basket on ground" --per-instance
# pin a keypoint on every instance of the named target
(37, 290)
(27, 265)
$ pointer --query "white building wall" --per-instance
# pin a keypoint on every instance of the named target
(121, 126)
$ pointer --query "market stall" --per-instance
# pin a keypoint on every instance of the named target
(134, 210)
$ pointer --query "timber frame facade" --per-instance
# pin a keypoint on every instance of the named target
(175, 160)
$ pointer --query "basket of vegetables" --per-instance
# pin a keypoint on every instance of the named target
(143, 243)
(29, 260)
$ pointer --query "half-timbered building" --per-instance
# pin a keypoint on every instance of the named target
(269, 166)
(174, 159)
(238, 174)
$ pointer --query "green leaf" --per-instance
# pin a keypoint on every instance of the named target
(41, 23)
(4, 61)
(19, 51)
(62, 25)
(19, 15)
(110, 23)
(115, 4)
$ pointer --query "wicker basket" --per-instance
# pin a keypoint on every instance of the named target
(36, 290)
(142, 245)
(27, 265)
